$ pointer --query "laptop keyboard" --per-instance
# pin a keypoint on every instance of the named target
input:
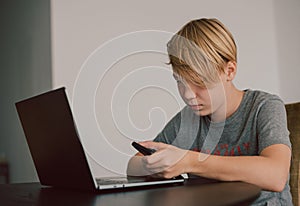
(114, 180)
(119, 180)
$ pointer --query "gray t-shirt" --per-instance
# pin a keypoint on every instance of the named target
(260, 121)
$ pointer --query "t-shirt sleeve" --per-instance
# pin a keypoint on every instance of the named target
(272, 124)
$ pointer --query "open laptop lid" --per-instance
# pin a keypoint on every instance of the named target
(60, 162)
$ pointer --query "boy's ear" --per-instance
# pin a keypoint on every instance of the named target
(230, 70)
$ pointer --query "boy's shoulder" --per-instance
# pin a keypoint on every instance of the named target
(260, 97)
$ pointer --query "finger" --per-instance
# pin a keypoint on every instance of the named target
(154, 145)
(152, 167)
(153, 160)
(156, 159)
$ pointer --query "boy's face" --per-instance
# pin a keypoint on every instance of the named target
(203, 101)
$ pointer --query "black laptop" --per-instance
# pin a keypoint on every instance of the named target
(57, 152)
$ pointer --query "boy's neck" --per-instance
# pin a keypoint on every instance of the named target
(233, 100)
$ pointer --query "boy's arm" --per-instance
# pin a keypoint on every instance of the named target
(269, 170)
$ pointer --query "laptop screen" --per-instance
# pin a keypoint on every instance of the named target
(56, 150)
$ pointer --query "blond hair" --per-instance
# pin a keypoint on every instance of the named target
(199, 51)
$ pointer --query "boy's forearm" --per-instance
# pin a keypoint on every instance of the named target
(266, 172)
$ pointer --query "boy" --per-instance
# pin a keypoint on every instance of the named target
(223, 133)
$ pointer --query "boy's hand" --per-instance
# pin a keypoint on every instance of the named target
(167, 162)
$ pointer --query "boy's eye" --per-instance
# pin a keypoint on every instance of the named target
(178, 79)
(179, 82)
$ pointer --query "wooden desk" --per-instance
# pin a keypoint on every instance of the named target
(189, 194)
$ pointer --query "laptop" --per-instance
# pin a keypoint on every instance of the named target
(56, 149)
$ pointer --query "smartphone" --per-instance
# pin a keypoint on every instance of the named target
(142, 149)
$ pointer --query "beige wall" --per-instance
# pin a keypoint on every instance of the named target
(287, 18)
